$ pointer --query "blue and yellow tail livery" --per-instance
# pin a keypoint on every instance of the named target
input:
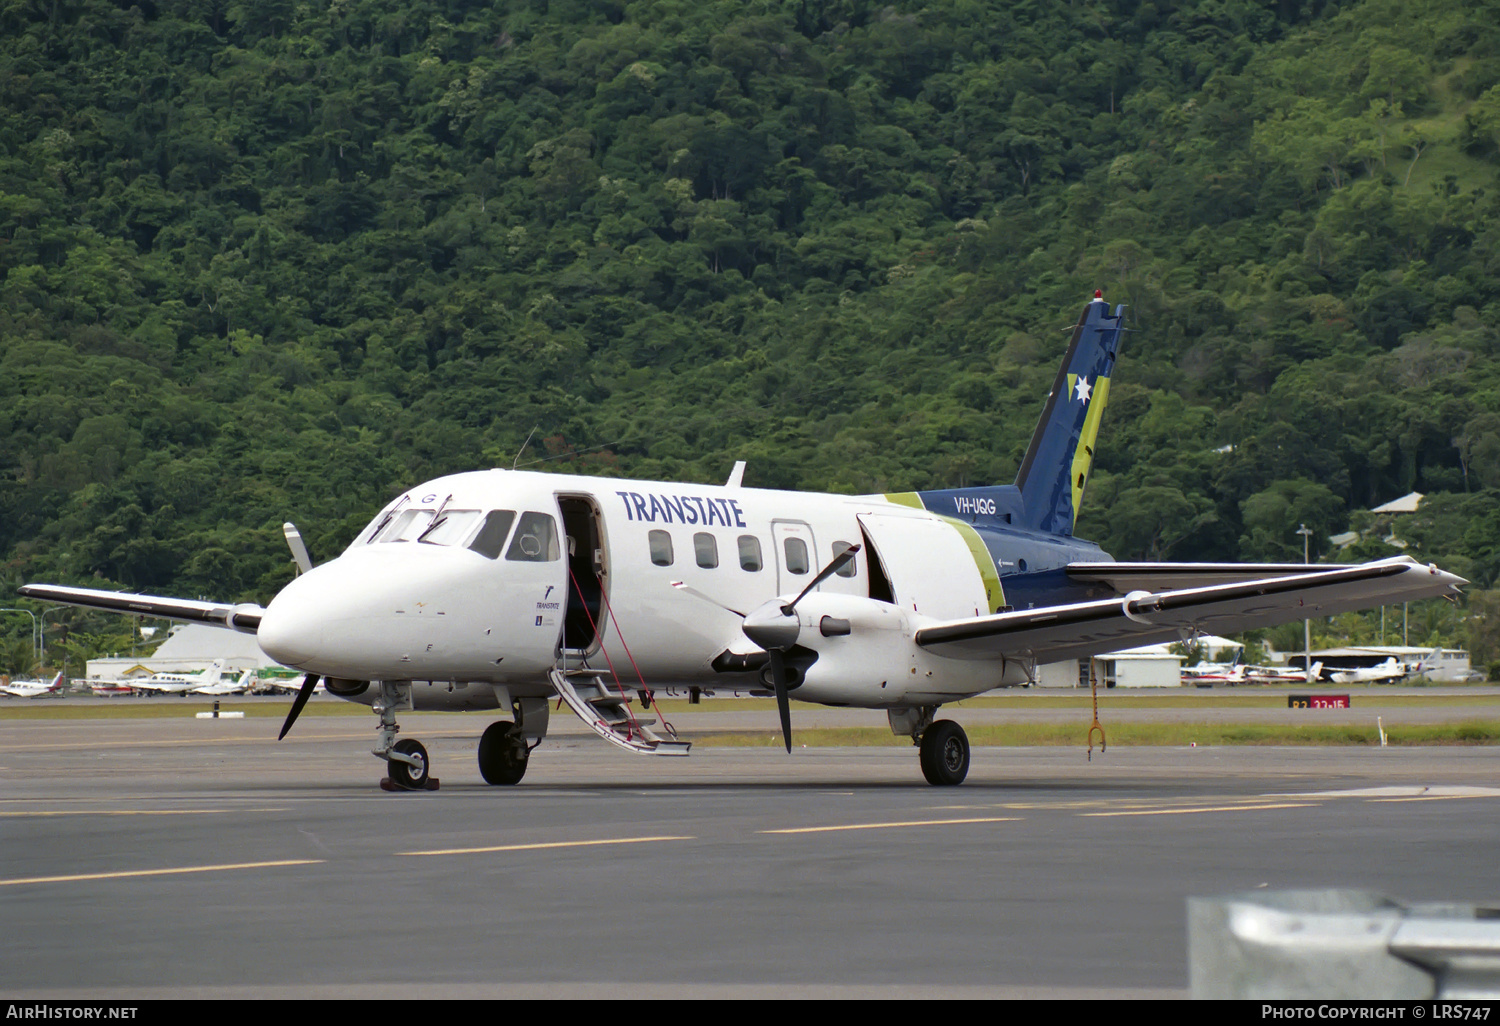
(1057, 464)
(1049, 487)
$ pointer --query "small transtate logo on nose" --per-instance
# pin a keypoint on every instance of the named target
(1083, 390)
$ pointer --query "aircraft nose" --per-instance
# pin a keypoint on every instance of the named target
(369, 617)
(294, 626)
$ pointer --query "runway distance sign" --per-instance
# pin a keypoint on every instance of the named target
(1317, 701)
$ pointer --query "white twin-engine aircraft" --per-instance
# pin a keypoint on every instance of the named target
(504, 589)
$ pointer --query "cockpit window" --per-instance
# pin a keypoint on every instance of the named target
(535, 540)
(449, 528)
(405, 526)
(491, 537)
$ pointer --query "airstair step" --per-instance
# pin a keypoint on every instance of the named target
(626, 721)
(608, 716)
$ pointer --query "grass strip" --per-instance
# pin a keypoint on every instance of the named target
(145, 709)
(1467, 732)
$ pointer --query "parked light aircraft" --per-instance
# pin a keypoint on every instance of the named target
(178, 683)
(1388, 672)
(502, 589)
(33, 688)
(1282, 674)
(238, 686)
(1232, 672)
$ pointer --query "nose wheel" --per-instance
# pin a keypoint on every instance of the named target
(411, 773)
(409, 766)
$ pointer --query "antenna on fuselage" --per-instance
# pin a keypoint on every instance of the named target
(522, 449)
(736, 475)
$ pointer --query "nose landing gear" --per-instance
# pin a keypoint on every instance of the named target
(409, 766)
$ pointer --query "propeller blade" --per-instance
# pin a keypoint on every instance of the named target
(823, 575)
(309, 682)
(783, 701)
(680, 586)
(298, 547)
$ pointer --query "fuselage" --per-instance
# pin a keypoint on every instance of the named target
(496, 577)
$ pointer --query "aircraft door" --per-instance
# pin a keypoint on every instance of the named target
(587, 570)
(931, 568)
(796, 555)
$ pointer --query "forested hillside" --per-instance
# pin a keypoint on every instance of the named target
(276, 260)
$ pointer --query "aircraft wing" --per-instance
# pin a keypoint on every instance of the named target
(1074, 631)
(1127, 577)
(244, 617)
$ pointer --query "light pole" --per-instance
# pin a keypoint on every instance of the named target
(1306, 534)
(41, 633)
(15, 609)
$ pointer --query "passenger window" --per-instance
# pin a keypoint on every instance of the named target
(750, 553)
(535, 540)
(796, 555)
(661, 547)
(491, 537)
(707, 550)
(849, 569)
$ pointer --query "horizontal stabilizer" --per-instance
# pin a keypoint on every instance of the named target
(1075, 631)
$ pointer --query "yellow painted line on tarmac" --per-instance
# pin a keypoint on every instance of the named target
(1111, 804)
(1431, 798)
(1015, 806)
(125, 874)
(1203, 808)
(893, 826)
(129, 812)
(93, 746)
(548, 844)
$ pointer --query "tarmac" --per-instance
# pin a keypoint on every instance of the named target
(171, 857)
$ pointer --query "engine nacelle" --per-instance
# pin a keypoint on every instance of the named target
(867, 658)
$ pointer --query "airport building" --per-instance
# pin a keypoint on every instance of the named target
(1150, 666)
(188, 649)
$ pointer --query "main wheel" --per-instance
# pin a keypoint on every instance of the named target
(945, 754)
(502, 754)
(405, 775)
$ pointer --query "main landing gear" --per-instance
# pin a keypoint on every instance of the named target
(503, 753)
(945, 753)
(942, 744)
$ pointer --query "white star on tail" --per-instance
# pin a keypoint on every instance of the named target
(1084, 390)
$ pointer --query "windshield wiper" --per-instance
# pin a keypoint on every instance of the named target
(437, 520)
(387, 519)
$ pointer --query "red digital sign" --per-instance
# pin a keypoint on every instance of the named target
(1317, 701)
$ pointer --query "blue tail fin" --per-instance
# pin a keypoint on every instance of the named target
(1050, 485)
(1057, 464)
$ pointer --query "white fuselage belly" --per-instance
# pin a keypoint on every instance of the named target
(410, 610)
